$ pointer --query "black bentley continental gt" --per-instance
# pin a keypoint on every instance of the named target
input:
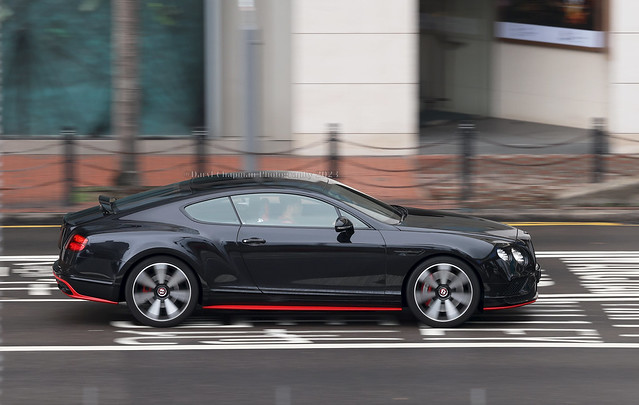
(289, 241)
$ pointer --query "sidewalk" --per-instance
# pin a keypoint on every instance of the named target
(519, 171)
(519, 187)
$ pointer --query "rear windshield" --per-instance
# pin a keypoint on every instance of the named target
(149, 197)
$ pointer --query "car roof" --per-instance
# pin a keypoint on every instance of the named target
(224, 181)
(260, 178)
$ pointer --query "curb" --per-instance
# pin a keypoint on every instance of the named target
(567, 215)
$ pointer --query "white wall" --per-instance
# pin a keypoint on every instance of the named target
(549, 85)
(624, 74)
(354, 63)
(273, 21)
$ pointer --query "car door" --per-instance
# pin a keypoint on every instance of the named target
(290, 247)
(222, 266)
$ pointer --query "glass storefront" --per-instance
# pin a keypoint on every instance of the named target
(57, 66)
(455, 57)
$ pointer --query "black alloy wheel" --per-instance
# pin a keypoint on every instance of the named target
(161, 292)
(443, 292)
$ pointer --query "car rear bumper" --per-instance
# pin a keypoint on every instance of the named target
(83, 289)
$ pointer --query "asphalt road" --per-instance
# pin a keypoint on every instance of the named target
(579, 344)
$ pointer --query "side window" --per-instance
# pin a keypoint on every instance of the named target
(219, 211)
(356, 222)
(279, 209)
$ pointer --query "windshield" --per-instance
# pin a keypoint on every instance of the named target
(364, 203)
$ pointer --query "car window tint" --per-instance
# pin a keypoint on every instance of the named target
(218, 211)
(357, 224)
(279, 209)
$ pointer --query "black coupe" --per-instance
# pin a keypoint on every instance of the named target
(289, 241)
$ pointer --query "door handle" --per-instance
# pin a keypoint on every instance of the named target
(254, 241)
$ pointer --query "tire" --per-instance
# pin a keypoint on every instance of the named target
(161, 292)
(443, 292)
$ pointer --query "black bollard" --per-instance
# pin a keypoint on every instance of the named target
(333, 169)
(599, 150)
(68, 135)
(467, 132)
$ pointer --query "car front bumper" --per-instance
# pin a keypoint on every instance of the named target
(516, 292)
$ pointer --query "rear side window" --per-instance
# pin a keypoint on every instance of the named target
(217, 211)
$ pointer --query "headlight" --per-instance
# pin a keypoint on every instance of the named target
(518, 256)
(502, 254)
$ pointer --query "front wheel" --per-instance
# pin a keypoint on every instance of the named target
(161, 292)
(443, 292)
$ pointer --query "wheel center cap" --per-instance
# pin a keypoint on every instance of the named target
(162, 291)
(443, 292)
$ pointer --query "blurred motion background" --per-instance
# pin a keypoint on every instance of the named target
(474, 104)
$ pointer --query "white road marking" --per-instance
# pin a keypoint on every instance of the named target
(612, 279)
(530, 322)
(224, 336)
(22, 258)
(40, 289)
(40, 300)
(511, 334)
(322, 346)
(43, 281)
(186, 325)
(27, 266)
(608, 276)
(591, 297)
(589, 253)
(545, 280)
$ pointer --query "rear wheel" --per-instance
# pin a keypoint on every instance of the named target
(161, 292)
(443, 292)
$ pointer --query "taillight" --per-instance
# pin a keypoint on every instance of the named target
(77, 243)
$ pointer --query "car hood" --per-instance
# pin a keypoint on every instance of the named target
(417, 219)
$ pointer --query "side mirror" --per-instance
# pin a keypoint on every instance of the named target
(343, 224)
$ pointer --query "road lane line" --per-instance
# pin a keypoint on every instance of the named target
(322, 346)
(45, 258)
(501, 322)
(15, 300)
(52, 281)
(521, 224)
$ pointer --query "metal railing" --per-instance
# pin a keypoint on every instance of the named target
(461, 177)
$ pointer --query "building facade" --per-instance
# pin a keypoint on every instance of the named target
(380, 69)
(384, 68)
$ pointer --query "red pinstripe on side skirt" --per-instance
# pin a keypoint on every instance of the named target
(299, 308)
(508, 306)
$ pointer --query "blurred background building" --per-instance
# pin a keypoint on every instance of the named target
(58, 62)
(281, 71)
(377, 67)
